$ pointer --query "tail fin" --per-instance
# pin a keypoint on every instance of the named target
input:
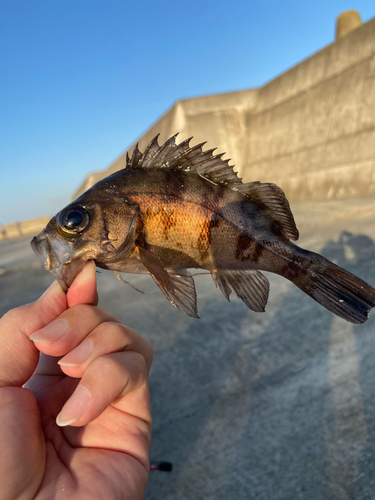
(337, 290)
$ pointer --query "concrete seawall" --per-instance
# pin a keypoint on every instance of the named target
(311, 130)
(16, 229)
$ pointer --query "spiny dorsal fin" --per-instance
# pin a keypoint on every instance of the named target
(148, 152)
(269, 197)
(183, 157)
(136, 156)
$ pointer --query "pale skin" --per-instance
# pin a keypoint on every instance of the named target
(52, 444)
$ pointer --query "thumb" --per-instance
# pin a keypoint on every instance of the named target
(83, 288)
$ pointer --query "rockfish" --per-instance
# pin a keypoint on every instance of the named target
(176, 207)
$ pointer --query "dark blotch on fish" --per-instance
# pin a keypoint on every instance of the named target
(175, 207)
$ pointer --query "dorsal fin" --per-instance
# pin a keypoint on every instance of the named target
(148, 152)
(168, 147)
(183, 157)
(273, 203)
(136, 156)
(268, 197)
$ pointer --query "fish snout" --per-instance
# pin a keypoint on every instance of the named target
(53, 254)
(57, 257)
(43, 251)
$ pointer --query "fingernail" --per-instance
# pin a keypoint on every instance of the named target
(51, 333)
(79, 355)
(74, 407)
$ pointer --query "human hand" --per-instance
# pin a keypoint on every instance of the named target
(100, 447)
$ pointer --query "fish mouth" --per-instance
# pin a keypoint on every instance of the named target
(56, 256)
(43, 250)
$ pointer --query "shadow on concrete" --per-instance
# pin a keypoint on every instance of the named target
(268, 406)
(282, 415)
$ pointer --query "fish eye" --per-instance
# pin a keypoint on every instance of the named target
(72, 221)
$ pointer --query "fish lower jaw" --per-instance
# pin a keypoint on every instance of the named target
(52, 267)
(66, 273)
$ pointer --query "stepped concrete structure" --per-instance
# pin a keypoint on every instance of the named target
(26, 227)
(311, 130)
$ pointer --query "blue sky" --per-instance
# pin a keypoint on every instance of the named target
(81, 80)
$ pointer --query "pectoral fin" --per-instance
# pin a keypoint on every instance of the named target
(177, 285)
(251, 287)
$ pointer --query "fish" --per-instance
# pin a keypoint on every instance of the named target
(176, 207)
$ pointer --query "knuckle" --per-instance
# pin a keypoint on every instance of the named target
(104, 367)
(13, 315)
(111, 328)
(149, 347)
(81, 309)
(82, 313)
(149, 351)
(116, 363)
(140, 360)
(140, 367)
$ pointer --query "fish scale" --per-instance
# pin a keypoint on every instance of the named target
(176, 207)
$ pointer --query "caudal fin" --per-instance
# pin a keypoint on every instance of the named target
(337, 290)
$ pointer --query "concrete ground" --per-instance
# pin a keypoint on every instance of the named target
(279, 405)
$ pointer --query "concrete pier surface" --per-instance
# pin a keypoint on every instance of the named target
(279, 405)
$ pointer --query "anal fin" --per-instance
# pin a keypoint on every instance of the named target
(177, 285)
(251, 287)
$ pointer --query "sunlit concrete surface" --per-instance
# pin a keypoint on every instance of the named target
(279, 405)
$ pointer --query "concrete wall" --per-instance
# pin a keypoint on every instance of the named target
(16, 229)
(311, 130)
(217, 119)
